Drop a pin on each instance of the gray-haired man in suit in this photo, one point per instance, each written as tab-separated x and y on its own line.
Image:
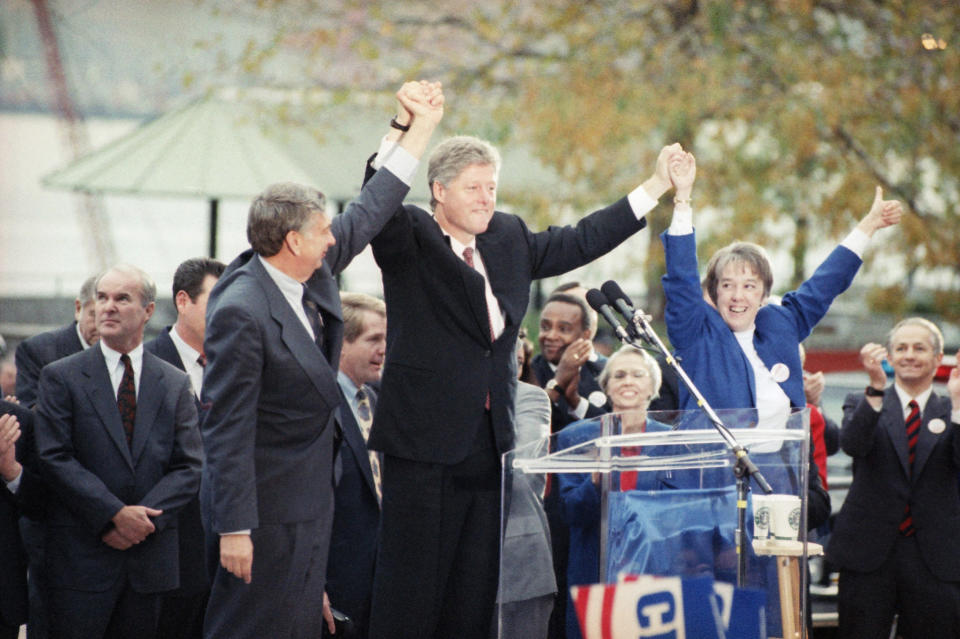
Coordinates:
895	537
272	343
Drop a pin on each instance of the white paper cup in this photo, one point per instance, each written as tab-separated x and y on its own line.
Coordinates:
761	515
784	516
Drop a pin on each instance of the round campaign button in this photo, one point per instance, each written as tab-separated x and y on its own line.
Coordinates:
780	372
598	399
937	426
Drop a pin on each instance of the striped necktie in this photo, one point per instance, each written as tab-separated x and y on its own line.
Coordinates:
913	434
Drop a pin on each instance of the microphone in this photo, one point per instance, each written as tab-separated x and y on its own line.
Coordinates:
599	302
622	303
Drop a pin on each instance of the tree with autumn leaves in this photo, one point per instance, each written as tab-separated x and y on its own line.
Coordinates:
795	109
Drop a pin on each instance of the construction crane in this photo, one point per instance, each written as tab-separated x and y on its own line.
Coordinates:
92	214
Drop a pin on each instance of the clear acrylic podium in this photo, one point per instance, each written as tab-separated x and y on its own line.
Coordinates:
660	502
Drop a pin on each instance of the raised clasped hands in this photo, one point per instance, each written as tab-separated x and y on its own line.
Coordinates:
683	172
420	100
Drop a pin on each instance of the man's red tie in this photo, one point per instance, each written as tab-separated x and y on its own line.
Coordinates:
468	258
913	434
127	398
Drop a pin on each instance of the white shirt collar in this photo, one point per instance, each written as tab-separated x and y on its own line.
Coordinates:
115	368
187	352
189	356
458	246
905	398
83	342
287	285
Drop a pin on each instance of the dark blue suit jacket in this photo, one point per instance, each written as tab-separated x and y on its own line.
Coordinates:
867	527
86	459
356	520
38	351
194	576
441	363
13	559
271	393
560	414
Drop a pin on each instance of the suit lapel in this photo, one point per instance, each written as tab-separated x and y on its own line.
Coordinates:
936	408
296	338
496	265
167	350
149	397
101	395
893	422
68	342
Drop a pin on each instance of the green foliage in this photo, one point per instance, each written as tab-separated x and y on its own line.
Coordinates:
794	108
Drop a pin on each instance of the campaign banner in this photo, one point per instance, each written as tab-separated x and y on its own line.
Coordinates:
653	607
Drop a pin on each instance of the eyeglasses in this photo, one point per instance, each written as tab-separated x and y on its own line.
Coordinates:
639	373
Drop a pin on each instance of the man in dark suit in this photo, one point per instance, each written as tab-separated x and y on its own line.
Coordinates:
273	340
457	285
31	356
118	442
181	611
38	351
13	559
895	537
567	366
356	516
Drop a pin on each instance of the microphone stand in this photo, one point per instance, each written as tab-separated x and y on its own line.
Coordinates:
743	467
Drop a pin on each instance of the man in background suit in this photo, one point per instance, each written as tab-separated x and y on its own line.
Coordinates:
181	611
31	356
356	516
567	366
13	559
118	443
273	339
895	537
457	285
38	351
528	589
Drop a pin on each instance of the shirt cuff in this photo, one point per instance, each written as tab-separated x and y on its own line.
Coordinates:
236	532
14	484
581	409
397	160
682	222
856	241
640	201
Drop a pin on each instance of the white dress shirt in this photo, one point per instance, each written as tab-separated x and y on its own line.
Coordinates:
189	356
115	366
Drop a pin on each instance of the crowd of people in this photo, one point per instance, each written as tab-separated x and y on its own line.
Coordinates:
290	460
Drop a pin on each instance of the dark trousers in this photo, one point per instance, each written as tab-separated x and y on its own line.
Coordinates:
34	535
285	597
118	613
181	616
438	566
927	607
